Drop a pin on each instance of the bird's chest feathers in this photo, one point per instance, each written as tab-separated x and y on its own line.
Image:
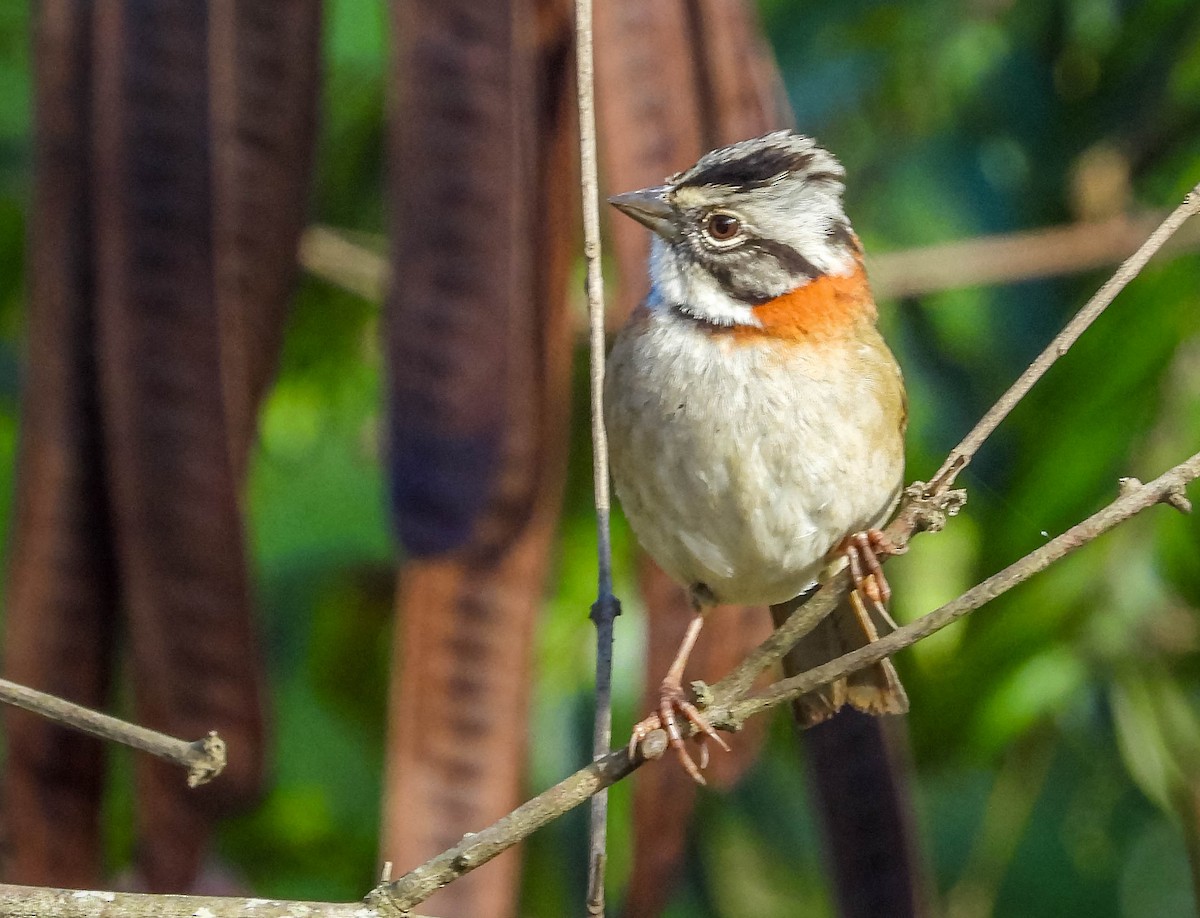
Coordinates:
734	456
732	397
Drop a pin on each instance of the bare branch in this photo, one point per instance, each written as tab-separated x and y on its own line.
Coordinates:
1010	258
204	758
480	847
353	262
962	454
46	902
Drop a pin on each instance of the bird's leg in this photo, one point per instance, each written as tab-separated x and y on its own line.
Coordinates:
673	701
862	551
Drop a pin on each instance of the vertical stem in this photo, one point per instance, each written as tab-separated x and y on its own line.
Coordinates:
606	607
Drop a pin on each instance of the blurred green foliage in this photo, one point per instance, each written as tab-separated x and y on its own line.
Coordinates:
1055	732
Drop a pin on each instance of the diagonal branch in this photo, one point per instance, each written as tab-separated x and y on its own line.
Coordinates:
204	758
394	899
730	711
962	454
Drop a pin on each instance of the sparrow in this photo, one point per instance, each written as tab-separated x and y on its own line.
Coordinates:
755	415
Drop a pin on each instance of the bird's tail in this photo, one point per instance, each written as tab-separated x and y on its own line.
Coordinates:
874	690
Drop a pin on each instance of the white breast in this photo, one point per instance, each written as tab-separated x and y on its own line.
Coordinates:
740	466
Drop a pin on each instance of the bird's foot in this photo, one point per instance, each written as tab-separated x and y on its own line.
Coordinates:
863	550
673	706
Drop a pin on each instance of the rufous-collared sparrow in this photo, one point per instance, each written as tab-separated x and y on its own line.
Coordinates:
755	414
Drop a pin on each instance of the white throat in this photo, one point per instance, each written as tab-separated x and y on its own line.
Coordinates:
692	290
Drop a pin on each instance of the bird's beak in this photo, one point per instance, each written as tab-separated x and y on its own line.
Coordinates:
649	207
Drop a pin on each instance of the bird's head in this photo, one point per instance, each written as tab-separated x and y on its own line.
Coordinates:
745	225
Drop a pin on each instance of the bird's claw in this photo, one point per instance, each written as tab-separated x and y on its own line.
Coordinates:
673	705
870	585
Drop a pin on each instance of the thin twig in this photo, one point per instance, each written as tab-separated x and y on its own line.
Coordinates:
204	758
606	608
962	454
807	612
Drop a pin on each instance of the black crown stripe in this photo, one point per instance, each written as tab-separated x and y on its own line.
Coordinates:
754	170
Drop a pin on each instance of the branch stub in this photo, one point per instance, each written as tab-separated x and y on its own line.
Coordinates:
210	759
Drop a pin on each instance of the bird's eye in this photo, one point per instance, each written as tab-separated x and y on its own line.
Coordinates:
722	227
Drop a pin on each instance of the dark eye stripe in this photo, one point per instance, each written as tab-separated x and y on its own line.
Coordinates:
789	259
751	296
740	281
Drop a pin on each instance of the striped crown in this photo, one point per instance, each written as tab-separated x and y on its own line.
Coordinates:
744	225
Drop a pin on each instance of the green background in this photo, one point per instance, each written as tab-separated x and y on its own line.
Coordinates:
1054	733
